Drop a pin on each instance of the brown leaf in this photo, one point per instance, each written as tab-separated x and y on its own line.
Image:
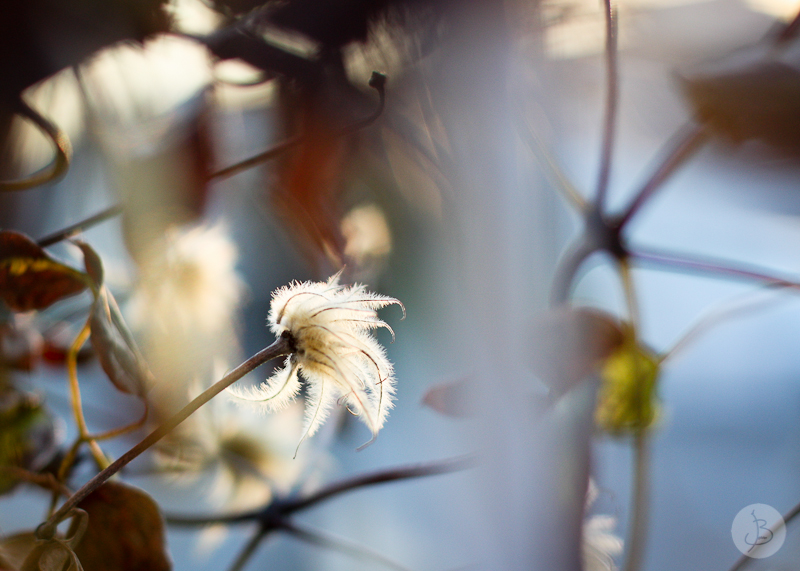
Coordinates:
754	101
125	532
14	549
570	343
30	278
453	399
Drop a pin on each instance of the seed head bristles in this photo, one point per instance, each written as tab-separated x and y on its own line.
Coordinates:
329	325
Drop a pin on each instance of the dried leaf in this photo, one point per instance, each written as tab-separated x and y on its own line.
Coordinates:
571	343
755	101
115	347
27	435
111	339
125	532
92	262
30	278
14	549
453	399
627	400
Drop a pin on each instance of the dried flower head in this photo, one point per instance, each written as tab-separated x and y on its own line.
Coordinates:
328	327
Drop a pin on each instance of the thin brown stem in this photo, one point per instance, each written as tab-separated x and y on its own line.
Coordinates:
391	475
115	432
377	82
680	147
249	549
280	508
278	348
329	541
612	97
79	227
46	481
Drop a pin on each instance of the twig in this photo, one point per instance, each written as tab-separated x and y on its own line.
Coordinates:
46	480
60	163
391	475
278	348
787	517
278	509
708	321
681	146
630	293
567	269
552	171
612	96
638	522
249	549
377	82
79	227
721	268
329	541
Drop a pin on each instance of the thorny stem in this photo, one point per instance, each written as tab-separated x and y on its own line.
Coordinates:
60	163
612	87
279	509
328	541
681	146
638	522
377	82
278	348
79	227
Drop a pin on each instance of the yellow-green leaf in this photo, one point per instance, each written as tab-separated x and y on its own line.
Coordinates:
627	401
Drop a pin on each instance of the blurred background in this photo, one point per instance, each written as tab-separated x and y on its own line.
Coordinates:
441	202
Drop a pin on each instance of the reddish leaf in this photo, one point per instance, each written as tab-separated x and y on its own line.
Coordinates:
125	532
569	344
30	278
452	399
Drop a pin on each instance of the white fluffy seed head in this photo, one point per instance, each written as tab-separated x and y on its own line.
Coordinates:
329	326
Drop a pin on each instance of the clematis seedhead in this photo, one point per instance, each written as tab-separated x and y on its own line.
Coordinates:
328	327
